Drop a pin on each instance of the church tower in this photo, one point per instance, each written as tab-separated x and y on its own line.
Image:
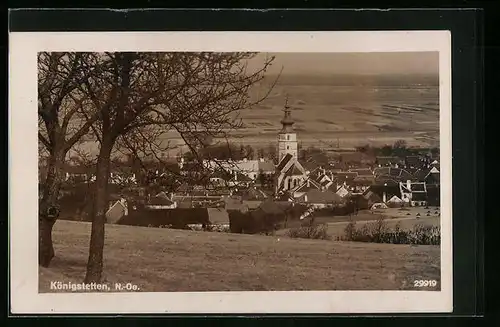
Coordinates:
287	138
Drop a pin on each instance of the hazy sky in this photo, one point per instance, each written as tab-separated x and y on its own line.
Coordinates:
352	63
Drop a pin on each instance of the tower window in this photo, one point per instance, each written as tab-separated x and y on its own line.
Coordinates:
287	147
288	137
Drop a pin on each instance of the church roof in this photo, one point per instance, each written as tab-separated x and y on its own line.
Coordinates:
284	161
307	185
294	171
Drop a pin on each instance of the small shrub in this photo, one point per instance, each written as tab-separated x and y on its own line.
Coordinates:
319	232
379	232
350	231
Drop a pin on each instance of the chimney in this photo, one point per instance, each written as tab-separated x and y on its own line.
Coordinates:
408	184
305	198
384	197
235	176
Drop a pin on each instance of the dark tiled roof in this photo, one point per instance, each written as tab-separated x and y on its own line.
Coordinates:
294	171
271	207
160	201
326	197
381	171
421	174
310	166
346	175
387	160
252	194
390	190
405	175
419	197
325	182
178	218
381	180
308	185
433	178
266	166
220	173
393	173
418	187
284	161
362	171
364	180
414	161
372	196
242	177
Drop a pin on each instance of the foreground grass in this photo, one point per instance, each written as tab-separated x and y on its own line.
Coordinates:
162	260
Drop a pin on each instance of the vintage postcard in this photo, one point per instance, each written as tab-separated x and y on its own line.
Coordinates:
230	172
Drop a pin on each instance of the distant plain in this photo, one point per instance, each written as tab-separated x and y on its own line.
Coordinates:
339	112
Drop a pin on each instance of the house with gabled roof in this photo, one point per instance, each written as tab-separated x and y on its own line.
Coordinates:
395	200
371	198
362	172
364	179
343	191
392	173
388	161
117	209
290	174
322	178
385	191
414	193
420	174
433	177
346	177
321	198
78	173
161	201
305	187
415	162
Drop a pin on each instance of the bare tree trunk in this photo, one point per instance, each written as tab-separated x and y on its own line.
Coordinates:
98	214
52	186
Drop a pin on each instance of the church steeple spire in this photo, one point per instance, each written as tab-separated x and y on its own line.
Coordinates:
287	120
287	139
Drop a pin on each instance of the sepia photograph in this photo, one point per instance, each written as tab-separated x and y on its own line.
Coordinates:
308	170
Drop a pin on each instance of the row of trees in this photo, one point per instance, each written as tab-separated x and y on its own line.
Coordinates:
233	151
398	149
126	102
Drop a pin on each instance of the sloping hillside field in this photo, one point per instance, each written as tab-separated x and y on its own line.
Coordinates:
163	260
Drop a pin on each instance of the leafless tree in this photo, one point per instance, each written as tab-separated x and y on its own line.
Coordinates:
142	96
60	128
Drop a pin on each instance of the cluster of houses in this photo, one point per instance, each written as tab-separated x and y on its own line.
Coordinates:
247	185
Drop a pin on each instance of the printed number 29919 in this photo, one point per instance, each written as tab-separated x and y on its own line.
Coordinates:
425	283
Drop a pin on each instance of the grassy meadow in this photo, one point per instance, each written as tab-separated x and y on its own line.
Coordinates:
163	260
